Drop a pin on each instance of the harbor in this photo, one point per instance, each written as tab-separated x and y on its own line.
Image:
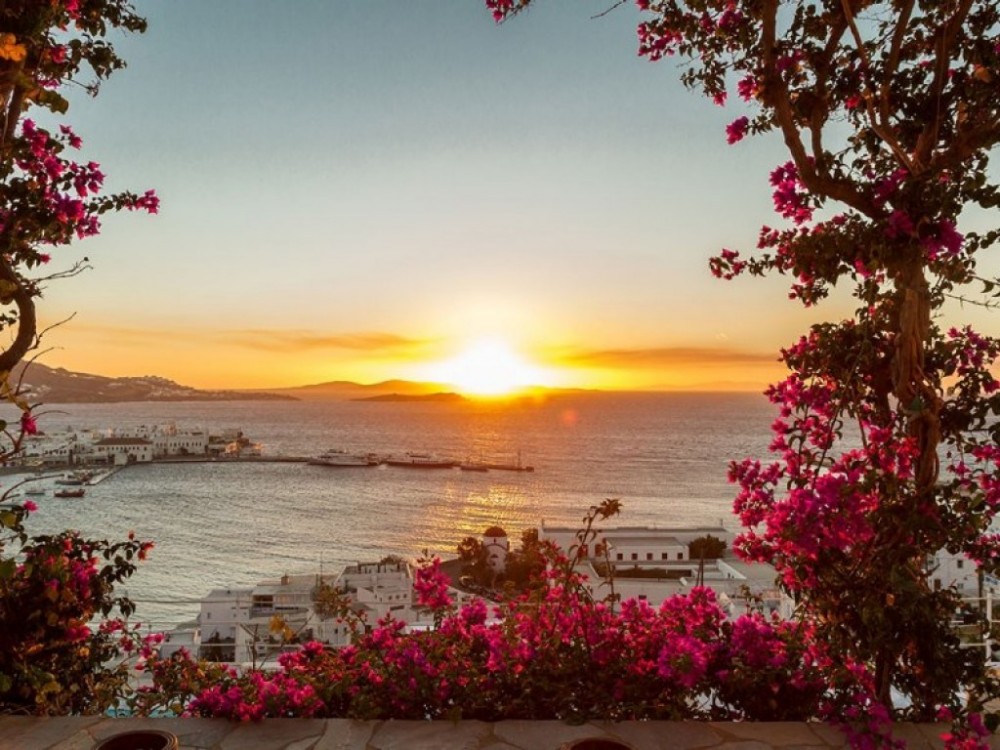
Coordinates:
90	456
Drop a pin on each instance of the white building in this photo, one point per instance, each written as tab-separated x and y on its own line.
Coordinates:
167	439
496	545
375	590
653	564
123	450
60	447
224	613
946	570
637	544
236	624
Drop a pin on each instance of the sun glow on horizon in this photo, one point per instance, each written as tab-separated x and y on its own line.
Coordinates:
489	367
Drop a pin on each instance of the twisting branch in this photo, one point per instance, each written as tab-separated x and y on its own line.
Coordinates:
892	62
820	114
27	324
946	36
775	94
881	127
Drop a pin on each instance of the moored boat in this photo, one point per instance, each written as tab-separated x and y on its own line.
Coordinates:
342	459
68	493
511	467
421	461
75	478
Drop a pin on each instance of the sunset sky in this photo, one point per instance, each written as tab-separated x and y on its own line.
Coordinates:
358	190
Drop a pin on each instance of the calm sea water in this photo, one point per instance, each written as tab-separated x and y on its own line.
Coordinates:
664	455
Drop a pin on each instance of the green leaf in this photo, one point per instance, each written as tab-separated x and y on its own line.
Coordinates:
53	101
7	568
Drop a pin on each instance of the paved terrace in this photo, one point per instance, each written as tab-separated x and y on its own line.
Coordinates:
83	733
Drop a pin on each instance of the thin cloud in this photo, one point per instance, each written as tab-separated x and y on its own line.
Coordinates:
259	339
286	341
127	336
666	357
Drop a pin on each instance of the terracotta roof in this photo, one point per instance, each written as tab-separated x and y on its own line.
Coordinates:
123	441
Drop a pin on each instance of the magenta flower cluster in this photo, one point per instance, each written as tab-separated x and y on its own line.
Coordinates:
66	193
534	656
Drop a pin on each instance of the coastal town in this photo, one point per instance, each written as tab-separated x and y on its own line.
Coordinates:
252	626
121	446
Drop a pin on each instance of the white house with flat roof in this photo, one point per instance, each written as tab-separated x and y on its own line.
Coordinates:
653	564
375	591
237	624
167	439
223	614
637	544
123	450
947	569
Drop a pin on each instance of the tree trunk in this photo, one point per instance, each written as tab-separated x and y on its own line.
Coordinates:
918	398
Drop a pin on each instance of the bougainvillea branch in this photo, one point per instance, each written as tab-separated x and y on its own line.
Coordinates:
61	650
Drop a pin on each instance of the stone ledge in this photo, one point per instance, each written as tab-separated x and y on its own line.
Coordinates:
83	732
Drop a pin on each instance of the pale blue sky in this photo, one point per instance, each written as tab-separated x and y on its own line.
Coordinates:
349	183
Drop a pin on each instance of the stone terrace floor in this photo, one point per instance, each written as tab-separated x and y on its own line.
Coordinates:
83	733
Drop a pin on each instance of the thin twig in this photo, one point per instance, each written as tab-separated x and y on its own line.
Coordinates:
603	13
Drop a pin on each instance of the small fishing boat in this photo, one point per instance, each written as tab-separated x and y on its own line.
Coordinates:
69	493
75	478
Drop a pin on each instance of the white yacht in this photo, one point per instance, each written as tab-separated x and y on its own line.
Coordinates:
342	459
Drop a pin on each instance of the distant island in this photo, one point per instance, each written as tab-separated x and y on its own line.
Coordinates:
405	397
39	383
346	390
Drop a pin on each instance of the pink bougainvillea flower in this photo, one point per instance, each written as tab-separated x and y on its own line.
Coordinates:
748	88
29	426
737	130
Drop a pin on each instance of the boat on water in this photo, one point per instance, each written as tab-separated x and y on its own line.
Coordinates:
421	461
34	491
337	458
473	466
511	467
76	478
69	493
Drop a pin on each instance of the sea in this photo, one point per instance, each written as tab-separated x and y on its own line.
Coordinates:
224	524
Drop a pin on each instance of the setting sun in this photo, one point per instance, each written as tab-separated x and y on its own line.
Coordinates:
489	367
